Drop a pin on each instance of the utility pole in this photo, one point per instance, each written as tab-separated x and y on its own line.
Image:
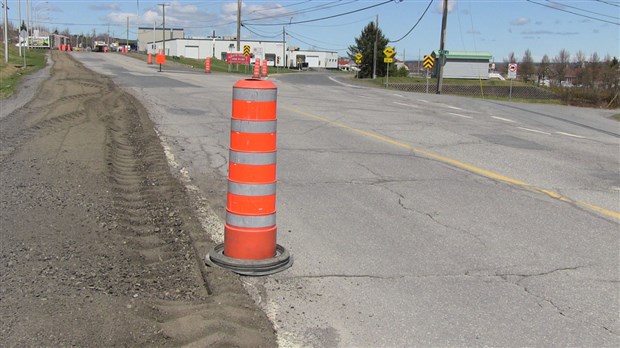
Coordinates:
283	47
6	29
238	25
127	34
163	31
374	52
19	26
442	43
28	24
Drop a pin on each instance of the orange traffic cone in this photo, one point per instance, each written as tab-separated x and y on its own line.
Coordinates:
250	231
264	71
256	74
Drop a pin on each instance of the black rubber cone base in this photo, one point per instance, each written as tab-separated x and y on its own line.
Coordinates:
278	263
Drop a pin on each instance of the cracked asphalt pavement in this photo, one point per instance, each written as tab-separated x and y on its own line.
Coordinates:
410	226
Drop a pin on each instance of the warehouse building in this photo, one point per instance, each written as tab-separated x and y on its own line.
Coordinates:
464	65
147	36
302	59
272	51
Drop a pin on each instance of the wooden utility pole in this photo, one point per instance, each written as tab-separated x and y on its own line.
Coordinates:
238	25
442	42
163	30
6	29
374	53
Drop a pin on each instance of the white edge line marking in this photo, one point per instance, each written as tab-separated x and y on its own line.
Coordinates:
459	115
424	101
452	107
534	130
398	95
403	104
571	135
503	119
346	84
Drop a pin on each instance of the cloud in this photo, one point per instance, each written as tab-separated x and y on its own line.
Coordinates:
520	21
547	32
105	7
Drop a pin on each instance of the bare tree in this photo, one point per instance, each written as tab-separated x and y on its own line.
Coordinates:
594	68
580	68
560	65
526	68
543	69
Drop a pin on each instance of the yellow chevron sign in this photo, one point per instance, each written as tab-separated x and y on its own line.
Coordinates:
429	62
246	50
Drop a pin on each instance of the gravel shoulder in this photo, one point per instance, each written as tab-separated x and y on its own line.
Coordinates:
99	243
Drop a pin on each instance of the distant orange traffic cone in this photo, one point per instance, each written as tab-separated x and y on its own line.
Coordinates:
149	60
264	71
256	69
208	65
250	231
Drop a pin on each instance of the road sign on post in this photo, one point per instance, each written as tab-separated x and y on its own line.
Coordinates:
388	60
429	62
246	50
389	52
512	71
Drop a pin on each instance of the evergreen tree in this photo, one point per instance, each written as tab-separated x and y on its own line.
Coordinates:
365	44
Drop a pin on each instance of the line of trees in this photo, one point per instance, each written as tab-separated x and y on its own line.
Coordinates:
578	70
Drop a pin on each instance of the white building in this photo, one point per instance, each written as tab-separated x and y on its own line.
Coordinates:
276	53
272	51
313	59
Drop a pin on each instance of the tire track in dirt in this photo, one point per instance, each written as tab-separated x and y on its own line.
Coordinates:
154	262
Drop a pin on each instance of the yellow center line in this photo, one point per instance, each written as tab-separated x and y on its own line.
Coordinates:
460	164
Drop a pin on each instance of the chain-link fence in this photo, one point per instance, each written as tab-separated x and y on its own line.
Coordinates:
525	92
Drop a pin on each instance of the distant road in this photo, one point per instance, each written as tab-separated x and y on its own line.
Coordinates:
414	219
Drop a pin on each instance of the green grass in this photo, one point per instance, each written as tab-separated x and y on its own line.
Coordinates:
458	82
616	117
12	73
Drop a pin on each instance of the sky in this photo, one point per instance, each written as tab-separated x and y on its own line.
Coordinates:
495	26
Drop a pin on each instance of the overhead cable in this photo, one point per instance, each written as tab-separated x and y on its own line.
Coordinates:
571	12
328	17
416	23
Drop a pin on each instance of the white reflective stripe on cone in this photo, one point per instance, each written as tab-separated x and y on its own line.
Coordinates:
248	221
251	189
252	158
255	127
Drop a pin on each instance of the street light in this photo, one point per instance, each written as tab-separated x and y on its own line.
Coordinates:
36	13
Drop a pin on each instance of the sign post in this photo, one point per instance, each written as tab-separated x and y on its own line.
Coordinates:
358	60
428	63
512	74
389	53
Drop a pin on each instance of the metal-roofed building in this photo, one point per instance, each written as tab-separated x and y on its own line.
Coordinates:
464	65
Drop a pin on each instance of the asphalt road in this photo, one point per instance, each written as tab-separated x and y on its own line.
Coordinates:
414	219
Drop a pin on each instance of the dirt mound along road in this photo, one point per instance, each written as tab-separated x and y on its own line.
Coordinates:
99	243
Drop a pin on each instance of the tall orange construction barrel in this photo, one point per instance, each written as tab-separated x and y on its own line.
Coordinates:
250	230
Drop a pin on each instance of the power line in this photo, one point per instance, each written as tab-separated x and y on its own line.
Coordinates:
328	17
416	23
580	9
571	12
307	10
315	46
608	3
